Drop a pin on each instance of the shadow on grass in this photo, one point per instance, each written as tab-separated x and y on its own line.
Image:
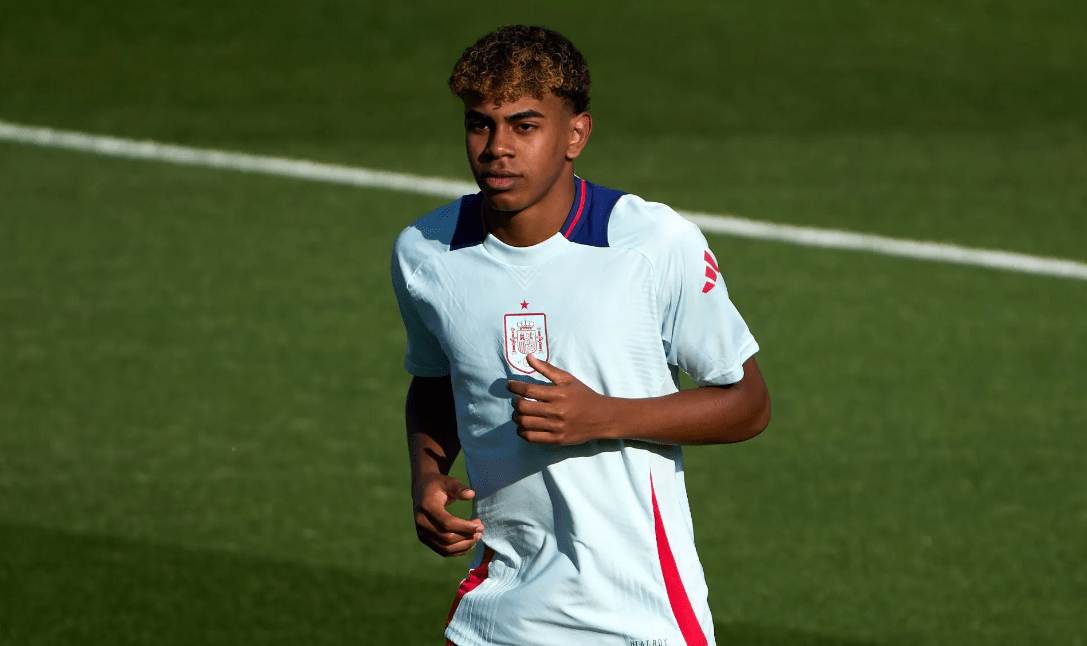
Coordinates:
60	588
64	588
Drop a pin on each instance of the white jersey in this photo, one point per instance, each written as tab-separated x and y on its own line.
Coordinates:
590	543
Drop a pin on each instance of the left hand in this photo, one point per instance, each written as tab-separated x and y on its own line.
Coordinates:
565	411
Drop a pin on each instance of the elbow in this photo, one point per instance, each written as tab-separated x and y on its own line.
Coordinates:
759	417
752	419
756	396
762	417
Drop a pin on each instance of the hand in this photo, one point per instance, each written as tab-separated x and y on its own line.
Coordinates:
565	411
441	531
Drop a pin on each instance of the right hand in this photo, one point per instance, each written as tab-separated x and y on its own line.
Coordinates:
441	531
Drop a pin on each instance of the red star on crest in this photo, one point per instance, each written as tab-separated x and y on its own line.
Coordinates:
524	305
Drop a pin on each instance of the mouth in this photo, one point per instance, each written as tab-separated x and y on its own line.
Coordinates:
499	180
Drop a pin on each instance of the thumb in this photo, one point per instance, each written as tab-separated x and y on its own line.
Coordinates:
456	490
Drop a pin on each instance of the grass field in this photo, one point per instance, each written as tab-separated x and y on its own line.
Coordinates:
200	371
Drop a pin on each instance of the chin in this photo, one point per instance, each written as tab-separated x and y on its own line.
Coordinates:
504	202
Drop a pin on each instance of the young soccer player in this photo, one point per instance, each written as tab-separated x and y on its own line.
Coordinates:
547	320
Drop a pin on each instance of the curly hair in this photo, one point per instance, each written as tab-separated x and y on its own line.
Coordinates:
516	60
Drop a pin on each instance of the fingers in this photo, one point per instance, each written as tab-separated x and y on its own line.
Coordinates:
441	531
445	533
432	505
544	424
539	421
531	415
539	392
441	521
538	429
533	408
447	528
457	549
449	543
539	437
556	375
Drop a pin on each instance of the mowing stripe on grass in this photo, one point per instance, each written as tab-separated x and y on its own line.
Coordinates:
438	187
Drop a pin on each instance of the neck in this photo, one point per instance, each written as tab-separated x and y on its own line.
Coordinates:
538	222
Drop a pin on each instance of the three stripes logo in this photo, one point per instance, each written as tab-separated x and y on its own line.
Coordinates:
711	272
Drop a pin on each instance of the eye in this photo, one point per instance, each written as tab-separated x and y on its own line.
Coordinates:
526	127
475	126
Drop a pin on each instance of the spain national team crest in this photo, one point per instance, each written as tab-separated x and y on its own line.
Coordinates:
525	334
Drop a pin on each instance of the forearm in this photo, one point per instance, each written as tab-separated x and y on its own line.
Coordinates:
707	415
430	417
433	445
704	415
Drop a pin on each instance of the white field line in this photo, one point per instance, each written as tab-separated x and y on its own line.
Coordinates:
916	249
438	187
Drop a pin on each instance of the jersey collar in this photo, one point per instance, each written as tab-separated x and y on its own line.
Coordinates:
587	222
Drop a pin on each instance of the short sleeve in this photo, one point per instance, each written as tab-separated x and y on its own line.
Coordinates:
424	356
703	333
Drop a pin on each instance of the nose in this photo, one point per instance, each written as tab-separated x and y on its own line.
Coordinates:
499	144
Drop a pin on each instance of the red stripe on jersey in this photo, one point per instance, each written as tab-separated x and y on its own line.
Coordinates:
711	262
580	208
708	286
476	576
677	594
711	274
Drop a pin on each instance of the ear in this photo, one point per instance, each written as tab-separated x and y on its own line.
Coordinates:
581	126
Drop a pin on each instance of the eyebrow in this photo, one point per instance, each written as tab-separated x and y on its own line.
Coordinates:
516	116
525	114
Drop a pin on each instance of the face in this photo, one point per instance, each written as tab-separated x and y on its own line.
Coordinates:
519	151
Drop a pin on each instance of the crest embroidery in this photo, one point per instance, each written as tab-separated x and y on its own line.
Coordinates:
525	334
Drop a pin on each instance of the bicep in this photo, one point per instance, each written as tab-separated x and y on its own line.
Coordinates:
430	407
425	355
431	420
430	398
703	332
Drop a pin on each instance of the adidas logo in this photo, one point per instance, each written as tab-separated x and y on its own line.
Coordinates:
711	272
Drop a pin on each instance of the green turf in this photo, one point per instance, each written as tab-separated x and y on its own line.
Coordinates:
214	381
200	381
960	121
64	588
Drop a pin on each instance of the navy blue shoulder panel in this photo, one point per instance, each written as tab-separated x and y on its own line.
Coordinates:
471	229
588	224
